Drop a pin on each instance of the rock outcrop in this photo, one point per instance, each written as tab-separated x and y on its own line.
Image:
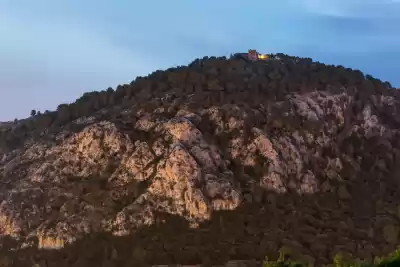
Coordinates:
219	160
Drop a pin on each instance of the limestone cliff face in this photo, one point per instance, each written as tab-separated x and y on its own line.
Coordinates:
93	181
118	171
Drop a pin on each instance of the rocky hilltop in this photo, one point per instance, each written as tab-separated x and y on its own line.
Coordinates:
219	160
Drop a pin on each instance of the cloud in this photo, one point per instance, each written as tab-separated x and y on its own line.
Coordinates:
353	8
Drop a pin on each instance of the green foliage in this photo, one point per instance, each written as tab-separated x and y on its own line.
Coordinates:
284	260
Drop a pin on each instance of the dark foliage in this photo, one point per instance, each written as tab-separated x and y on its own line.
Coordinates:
211	81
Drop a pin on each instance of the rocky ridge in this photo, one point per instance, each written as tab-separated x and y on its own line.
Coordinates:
222	159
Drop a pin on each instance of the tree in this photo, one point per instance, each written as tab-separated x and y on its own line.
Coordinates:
33	112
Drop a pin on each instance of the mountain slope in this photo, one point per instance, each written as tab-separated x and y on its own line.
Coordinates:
222	159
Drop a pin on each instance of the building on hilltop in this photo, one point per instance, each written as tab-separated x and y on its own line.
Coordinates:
252	55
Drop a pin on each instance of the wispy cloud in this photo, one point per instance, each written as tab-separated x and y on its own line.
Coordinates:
353	8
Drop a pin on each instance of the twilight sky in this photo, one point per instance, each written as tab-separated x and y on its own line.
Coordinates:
51	52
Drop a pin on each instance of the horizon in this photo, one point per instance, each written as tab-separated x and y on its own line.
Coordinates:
52	53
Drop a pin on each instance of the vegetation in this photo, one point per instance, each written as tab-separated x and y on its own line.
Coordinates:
284	260
207	81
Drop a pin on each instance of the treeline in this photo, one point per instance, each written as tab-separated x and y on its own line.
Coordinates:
206	81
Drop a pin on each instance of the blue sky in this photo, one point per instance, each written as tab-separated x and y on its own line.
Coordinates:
53	51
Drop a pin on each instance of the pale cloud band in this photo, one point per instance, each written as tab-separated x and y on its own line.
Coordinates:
353	8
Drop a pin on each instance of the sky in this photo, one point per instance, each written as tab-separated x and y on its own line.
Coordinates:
51	52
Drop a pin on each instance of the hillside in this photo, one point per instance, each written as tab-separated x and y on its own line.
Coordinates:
219	160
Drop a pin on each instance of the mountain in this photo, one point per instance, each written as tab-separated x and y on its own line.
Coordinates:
223	159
